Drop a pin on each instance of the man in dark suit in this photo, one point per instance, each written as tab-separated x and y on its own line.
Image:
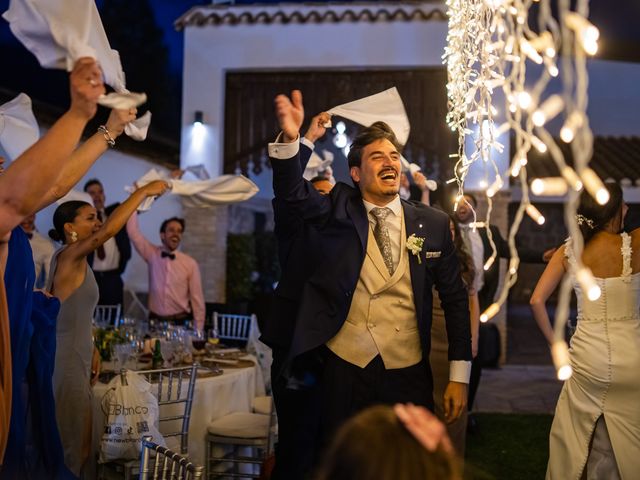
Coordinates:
355	317
110	260
487	281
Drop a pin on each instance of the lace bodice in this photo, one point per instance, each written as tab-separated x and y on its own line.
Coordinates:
620	297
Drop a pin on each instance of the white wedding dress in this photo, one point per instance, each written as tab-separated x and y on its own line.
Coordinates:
605	357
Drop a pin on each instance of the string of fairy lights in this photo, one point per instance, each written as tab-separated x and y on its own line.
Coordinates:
493	48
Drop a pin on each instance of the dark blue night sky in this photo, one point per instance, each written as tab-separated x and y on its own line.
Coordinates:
619	41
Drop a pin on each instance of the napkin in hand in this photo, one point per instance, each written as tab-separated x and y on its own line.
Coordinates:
59	32
18	126
385	106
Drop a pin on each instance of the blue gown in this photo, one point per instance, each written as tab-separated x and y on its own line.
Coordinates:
34	449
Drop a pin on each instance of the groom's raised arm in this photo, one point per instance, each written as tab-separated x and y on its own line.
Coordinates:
289	186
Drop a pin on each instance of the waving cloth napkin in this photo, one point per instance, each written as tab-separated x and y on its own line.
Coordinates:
18	127
318	165
59	32
222	190
385	106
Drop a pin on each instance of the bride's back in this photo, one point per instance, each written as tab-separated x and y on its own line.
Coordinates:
603	254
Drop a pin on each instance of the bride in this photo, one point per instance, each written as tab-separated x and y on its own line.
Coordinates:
596	428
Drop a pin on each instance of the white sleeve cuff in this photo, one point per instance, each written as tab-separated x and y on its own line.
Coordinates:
308	143
459	371
282	151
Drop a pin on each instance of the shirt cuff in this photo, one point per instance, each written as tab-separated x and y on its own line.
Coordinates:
308	143
283	151
459	371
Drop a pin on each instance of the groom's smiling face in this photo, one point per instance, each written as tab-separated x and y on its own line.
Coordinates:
378	175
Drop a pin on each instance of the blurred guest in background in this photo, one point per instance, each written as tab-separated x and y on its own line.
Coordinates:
42	249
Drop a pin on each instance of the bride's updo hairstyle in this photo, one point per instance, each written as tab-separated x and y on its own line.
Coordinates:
592	217
65	213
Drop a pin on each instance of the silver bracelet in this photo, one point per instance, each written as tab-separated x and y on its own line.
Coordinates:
107	136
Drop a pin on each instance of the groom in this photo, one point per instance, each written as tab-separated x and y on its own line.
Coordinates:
364	306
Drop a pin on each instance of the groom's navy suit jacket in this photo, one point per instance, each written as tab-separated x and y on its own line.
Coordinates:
313	298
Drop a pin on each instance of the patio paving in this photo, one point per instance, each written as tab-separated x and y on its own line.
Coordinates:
518	389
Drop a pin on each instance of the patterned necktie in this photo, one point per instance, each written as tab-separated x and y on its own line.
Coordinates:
381	233
100	251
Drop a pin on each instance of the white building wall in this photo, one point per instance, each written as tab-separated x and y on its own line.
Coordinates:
212	51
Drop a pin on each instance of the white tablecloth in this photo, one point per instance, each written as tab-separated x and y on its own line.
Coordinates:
214	397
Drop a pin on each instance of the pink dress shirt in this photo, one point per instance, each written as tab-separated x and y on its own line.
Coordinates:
173	284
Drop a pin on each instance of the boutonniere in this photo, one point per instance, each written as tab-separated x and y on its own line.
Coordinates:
414	245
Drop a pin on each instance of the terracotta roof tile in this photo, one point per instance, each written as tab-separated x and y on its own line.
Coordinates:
318	12
616	158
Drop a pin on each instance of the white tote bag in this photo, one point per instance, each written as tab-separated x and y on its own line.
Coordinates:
131	411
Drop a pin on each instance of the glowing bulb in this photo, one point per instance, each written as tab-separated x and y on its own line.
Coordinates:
573	123
524	100
588	284
594	186
340	140
549	186
602	196
586	32
489	262
341	127
535	214
561	359
550	52
490	312
198	134
530	52
538	144
572	178
553	70
551	107
567	134
495	186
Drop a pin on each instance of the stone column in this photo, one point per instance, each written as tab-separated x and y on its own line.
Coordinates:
205	240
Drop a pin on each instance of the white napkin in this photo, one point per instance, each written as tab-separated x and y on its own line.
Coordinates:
385	106
59	32
223	190
18	127
198	171
75	195
317	164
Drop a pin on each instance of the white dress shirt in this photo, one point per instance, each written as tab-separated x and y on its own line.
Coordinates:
473	242
42	249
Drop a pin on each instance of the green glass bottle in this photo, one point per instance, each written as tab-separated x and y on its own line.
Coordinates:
157	360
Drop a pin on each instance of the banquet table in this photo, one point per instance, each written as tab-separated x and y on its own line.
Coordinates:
214	397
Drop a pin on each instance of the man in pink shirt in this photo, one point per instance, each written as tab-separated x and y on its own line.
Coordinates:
175	288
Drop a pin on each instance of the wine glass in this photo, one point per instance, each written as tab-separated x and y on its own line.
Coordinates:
122	354
197	340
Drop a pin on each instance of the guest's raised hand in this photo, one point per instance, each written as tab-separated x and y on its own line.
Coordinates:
155	188
317	126
424	426
86	86
118	119
290	114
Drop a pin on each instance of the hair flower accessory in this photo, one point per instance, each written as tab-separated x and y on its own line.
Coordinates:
584	220
414	245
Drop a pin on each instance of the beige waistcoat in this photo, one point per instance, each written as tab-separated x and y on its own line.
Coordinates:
382	318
